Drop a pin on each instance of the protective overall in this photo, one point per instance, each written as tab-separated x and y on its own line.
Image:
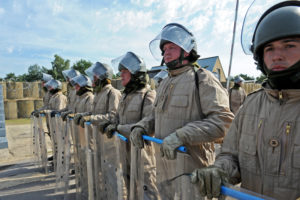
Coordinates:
262	147
237	95
104	109
135	106
83	104
185	116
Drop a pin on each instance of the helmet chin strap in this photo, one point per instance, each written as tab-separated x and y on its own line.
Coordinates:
285	79
175	64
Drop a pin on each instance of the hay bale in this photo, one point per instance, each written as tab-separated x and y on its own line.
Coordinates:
25	107
10	109
14	90
3	89
38	103
31	90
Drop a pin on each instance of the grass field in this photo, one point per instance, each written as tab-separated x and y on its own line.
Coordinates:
17	121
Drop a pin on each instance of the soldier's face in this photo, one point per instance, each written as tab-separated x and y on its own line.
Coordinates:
77	87
125	77
282	54
172	52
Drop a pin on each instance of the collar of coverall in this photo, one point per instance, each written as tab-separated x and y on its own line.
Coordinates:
180	70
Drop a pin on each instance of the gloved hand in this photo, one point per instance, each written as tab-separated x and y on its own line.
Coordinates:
36	114
65	114
33	112
102	125
77	118
109	131
71	115
136	137
84	119
169	146
210	180
54	112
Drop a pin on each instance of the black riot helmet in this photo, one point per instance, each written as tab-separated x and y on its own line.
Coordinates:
280	21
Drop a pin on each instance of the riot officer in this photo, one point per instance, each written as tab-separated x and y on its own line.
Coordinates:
134	108
191	109
237	94
261	149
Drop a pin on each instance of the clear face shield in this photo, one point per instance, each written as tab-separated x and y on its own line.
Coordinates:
253	14
100	71
131	62
46	77
70	73
53	84
81	80
176	34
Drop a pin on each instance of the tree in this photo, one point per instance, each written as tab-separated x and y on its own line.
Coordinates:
34	73
82	65
10	77
59	65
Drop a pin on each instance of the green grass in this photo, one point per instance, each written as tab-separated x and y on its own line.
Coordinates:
17	121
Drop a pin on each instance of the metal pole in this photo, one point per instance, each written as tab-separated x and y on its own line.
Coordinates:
232	44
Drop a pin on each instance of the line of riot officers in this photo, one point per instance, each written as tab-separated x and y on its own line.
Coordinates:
105	129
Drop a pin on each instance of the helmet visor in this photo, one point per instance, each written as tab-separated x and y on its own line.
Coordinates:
46	77
175	34
253	14
129	61
81	80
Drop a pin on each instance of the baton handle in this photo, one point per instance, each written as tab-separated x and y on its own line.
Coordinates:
159	141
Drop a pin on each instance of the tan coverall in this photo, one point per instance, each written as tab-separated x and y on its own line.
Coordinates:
135	107
236	96
105	108
262	147
176	109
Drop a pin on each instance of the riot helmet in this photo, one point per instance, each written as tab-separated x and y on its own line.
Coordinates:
53	85
238	79
130	61
279	21
70	73
179	35
46	77
100	70
81	80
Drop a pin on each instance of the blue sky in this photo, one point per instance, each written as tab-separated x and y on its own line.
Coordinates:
32	31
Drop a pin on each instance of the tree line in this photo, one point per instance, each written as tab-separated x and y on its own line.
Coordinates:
59	64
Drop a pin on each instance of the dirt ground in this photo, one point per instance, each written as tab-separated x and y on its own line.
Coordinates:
20	176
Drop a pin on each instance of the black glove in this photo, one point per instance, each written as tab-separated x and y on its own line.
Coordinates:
109	131
77	118
33	112
210	180
65	114
102	125
36	113
53	113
